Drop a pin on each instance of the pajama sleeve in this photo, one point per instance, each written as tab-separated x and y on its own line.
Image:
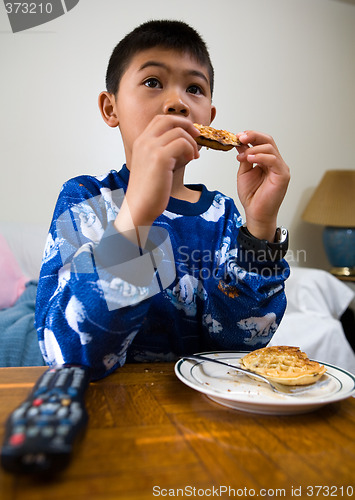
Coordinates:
95	286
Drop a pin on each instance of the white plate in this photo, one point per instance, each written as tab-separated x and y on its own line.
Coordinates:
240	392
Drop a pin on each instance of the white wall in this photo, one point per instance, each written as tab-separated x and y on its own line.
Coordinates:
285	67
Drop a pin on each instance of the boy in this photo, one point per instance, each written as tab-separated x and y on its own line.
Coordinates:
139	266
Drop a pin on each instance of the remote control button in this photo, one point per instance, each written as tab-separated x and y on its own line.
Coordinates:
58	442
19	429
20	412
49	409
63	412
62	430
56	392
33	412
34	458
47	432
20	421
17	439
32	431
40	391
77	380
76	416
65	421
61	380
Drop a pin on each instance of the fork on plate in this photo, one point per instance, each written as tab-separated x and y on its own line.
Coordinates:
275	386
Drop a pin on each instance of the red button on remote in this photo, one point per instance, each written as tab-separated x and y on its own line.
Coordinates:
17	439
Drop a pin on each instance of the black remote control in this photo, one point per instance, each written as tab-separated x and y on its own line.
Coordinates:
41	432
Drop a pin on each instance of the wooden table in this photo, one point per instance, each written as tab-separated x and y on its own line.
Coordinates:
150	436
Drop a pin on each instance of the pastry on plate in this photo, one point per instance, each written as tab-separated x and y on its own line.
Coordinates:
216	139
286	365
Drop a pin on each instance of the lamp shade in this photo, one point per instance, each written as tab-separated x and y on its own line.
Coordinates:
333	201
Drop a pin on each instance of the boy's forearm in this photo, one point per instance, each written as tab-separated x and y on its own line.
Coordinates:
134	227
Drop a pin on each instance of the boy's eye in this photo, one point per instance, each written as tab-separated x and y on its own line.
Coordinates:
152	83
194	89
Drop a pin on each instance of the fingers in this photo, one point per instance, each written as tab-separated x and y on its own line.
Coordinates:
182	151
255	138
164	130
184	140
162	123
259	149
263	155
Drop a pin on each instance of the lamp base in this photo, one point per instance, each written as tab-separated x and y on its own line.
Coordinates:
344	273
339	245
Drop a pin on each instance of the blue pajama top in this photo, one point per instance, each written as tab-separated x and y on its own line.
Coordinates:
103	301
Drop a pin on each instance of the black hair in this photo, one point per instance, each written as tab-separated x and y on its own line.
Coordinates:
175	35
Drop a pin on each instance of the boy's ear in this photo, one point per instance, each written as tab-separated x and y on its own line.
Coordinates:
107	105
213	113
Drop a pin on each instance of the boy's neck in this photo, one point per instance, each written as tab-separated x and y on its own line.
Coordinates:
181	192
187	194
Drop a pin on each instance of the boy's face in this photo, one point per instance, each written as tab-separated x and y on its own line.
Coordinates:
158	81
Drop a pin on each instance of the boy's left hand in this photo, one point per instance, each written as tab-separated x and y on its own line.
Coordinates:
262	181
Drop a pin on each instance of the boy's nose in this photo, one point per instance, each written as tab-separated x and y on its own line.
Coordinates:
175	105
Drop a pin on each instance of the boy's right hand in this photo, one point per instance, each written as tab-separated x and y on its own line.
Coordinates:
165	146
